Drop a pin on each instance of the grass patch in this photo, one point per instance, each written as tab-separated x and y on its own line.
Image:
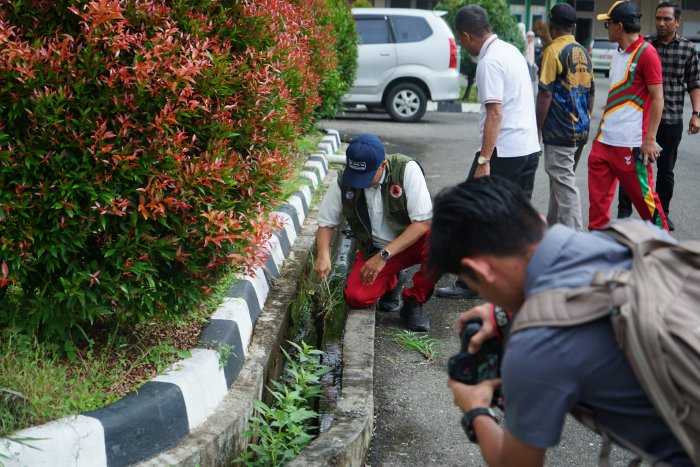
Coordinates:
305	145
419	342
55	387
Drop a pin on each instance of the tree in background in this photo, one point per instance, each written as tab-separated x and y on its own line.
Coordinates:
335	83
502	23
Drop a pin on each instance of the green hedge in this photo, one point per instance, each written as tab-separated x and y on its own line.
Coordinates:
142	144
502	23
339	79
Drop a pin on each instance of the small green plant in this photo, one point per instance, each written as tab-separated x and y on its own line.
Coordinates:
224	350
417	341
329	295
283	429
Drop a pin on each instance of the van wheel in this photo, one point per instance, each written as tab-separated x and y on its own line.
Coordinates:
406	102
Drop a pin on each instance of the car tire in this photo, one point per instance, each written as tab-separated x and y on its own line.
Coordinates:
406	102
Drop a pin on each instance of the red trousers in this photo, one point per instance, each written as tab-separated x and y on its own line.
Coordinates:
608	164
359	295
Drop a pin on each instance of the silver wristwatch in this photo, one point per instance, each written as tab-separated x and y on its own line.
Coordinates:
384	254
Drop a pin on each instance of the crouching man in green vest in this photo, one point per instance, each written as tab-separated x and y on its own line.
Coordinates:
388	206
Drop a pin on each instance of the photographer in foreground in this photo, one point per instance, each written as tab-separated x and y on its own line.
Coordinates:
486	231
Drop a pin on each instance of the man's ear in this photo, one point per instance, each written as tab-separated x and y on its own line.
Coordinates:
481	266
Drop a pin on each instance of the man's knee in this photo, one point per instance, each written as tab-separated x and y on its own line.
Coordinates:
355	298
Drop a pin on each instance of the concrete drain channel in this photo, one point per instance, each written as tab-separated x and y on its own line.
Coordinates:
345	413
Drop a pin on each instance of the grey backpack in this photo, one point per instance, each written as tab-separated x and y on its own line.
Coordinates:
655	313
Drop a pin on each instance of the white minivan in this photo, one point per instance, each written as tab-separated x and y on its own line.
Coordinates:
405	58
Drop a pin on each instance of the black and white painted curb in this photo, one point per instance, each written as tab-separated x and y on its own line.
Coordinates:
463	107
164	410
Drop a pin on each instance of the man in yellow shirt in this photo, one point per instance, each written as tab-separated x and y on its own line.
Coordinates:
564	104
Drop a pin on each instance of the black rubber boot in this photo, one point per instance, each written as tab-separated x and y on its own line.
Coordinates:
413	316
458	290
391	300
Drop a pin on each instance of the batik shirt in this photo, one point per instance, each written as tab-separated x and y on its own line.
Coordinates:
567	73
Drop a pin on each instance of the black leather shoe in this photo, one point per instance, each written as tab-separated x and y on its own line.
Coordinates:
412	314
391	300
458	290
669	222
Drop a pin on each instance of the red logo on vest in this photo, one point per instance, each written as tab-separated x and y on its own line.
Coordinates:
395	191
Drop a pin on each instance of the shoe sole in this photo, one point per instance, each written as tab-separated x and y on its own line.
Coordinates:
389	310
458	296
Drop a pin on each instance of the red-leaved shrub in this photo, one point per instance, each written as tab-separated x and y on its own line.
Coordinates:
142	142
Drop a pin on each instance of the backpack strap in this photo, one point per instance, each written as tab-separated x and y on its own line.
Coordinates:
569	307
639	235
585	415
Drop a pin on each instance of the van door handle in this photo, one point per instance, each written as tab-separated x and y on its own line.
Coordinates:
384	53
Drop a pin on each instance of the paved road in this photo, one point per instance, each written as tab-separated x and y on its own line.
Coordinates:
415	420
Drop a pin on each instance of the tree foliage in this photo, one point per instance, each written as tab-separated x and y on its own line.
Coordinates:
502	23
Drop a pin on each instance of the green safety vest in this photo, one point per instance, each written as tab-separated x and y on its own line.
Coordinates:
393	198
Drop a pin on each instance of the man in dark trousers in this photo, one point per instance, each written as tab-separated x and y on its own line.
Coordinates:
509	144
679	65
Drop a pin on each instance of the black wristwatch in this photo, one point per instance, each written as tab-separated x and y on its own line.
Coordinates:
697	114
384	254
468	421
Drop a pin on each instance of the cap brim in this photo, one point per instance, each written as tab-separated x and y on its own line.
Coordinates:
603	17
355	180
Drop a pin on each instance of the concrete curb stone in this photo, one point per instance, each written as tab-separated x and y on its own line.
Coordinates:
197	411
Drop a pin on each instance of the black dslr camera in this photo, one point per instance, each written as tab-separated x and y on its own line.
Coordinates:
474	368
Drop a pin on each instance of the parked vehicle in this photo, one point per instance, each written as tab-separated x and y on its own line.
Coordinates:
601	51
406	57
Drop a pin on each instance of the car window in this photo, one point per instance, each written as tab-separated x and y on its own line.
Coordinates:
373	31
410	28
604	44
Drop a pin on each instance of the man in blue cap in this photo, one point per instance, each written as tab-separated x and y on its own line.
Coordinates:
388	206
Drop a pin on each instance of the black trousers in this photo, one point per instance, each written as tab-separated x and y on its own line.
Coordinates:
519	170
669	137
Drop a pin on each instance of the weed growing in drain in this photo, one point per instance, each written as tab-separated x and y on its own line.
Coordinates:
329	296
417	341
283	429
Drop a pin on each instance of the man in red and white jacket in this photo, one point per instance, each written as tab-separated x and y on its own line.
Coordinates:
625	146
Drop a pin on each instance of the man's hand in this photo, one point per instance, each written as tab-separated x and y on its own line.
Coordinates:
468	397
371	269
485	333
482	170
694	125
649	151
322	267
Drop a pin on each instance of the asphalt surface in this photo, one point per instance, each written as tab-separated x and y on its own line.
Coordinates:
416	422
